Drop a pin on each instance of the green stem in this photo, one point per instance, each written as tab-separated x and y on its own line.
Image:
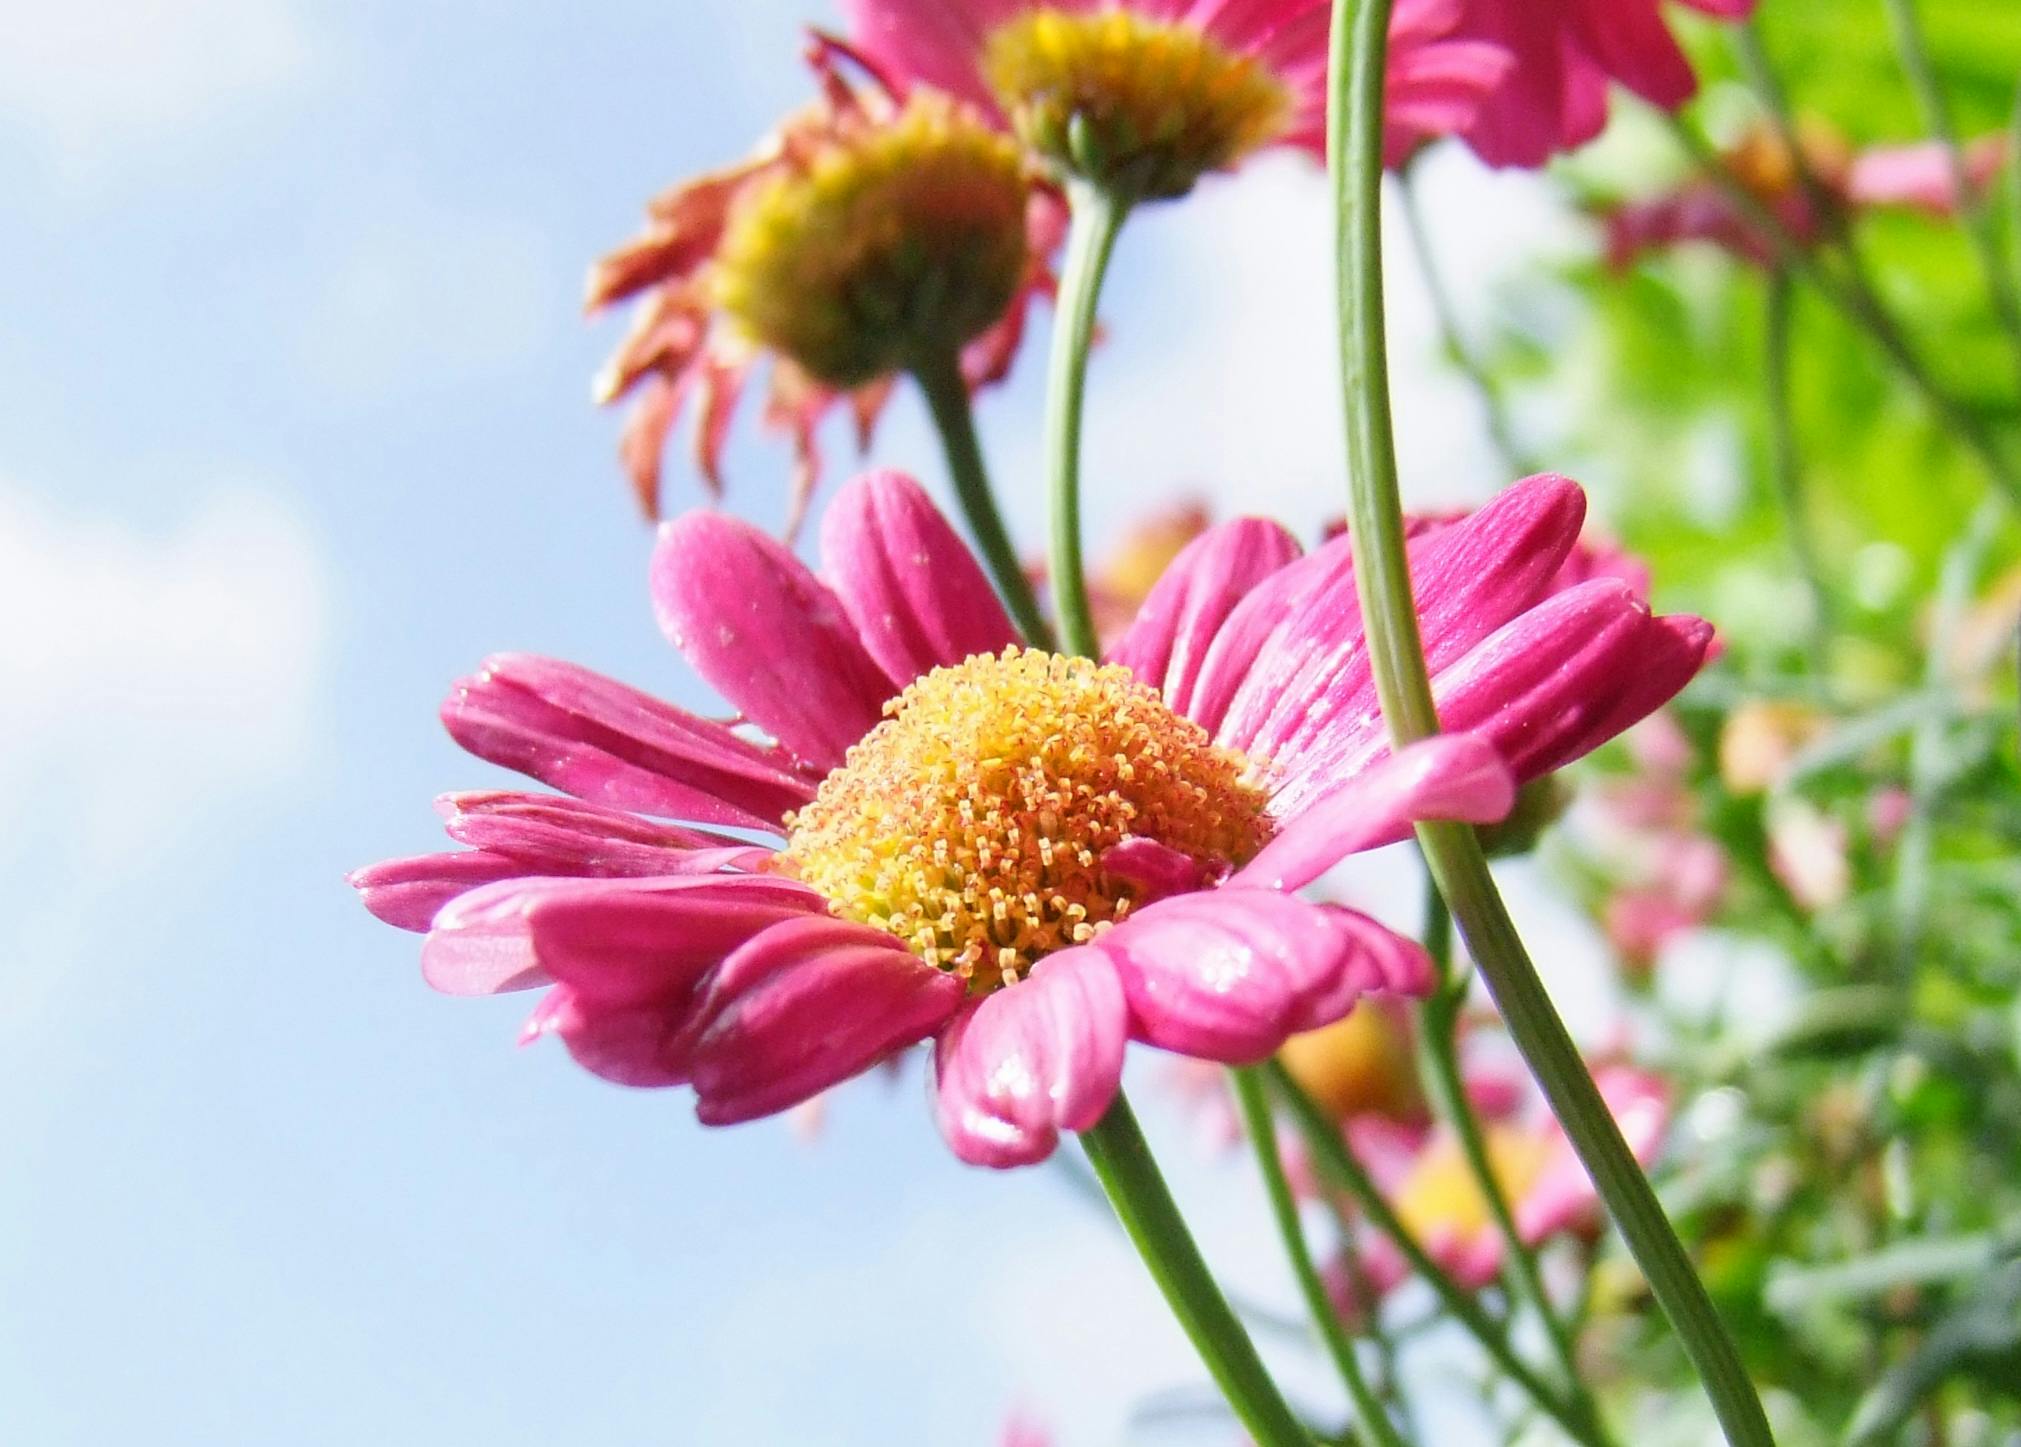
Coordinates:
1859	305
1338	1165
1786	465
1382	578
1374	1422
1493	413
1098	216
1447	1088
1122	1160
939	377
1903	20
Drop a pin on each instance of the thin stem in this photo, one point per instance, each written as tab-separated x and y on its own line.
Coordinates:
1861	307
939	377
1907	26
1374	1422
1786	464
1122	1159
1494	414
1098	216
1382	578
1447	1088
1338	1165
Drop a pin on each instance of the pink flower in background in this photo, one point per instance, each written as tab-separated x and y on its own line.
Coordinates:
1679	887
1434	1194
1031	859
1567	52
1913	178
1189	59
771	258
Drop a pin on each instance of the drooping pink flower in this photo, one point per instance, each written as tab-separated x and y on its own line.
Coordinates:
1031	860
864	228
1225	79
1434	1193
1567	53
1913	177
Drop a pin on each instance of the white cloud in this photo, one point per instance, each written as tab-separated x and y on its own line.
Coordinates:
416	295
97	81
153	678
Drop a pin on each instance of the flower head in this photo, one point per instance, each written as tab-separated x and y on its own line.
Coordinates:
1566	54
1030	860
1147	96
866	236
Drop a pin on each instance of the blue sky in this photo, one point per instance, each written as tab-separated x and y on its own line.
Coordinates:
296	430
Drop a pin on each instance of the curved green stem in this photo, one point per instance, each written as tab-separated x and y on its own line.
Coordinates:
1097	218
1122	1160
1396	655
1859	305
939	377
1373	1421
1448	1091
1786	465
1338	1165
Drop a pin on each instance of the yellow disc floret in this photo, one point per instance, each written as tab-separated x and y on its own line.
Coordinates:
1440	1195
971	823
1144	106
895	238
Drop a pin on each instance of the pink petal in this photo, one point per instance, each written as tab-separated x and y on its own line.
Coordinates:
804	1006
612	745
1453	776
1166	644
549	834
909	585
766	635
1035	1058
1156	869
407	893
1562	1198
634	1045
1228	974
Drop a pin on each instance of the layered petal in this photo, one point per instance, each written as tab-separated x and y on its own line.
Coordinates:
1228	974
1041	1056
913	590
804	1006
767	635
614	746
407	893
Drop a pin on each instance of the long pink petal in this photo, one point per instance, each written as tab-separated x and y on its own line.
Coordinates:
766	634
911	587
1562	1197
636	1045
407	893
552	834
1453	776
1033	1059
804	1006
613	745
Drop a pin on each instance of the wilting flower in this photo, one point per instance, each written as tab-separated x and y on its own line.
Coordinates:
1030	859
1437	1199
1146	96
867	237
1566	54
1915	177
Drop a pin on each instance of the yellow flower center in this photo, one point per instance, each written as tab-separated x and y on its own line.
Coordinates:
1142	106
1440	1194
971	823
892	240
1359	1065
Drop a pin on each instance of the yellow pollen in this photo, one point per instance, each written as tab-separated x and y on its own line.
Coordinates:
893	238
971	823
1145	106
1440	1195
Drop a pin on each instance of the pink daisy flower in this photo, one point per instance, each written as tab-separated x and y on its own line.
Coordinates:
1162	91
1428	1183
1566	53
866	231
1030	860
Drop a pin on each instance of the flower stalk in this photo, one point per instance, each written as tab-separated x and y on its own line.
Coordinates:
1382	577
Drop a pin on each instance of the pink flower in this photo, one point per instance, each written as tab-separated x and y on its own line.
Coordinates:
1430	1186
1566	54
1172	66
744	263
1031	860
1913	177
